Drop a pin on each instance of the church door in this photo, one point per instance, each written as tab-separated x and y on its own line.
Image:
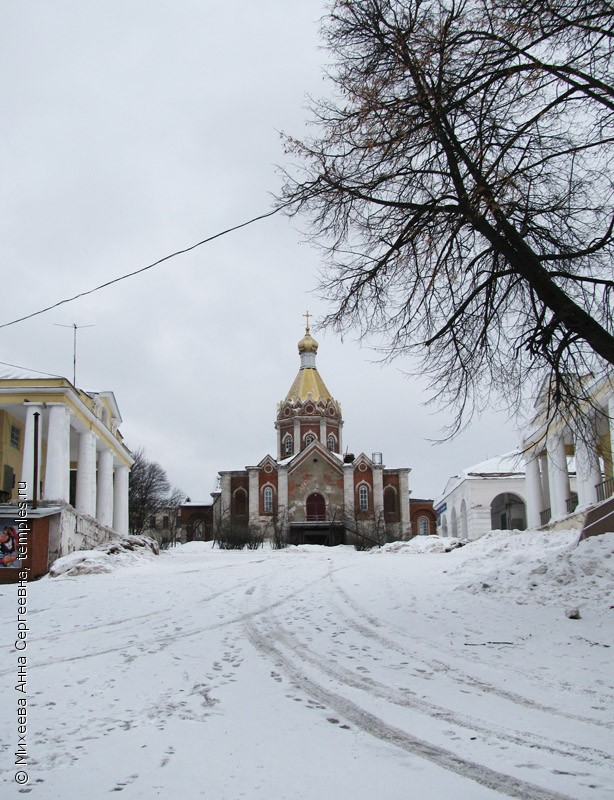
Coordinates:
316	508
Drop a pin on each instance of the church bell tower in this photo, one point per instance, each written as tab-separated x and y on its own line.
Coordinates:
309	412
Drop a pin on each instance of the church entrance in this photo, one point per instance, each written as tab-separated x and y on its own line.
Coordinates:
315	510
317	528
328	534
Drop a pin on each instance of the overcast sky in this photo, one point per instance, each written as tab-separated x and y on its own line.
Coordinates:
134	128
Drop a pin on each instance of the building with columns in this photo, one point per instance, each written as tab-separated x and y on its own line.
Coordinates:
312	488
551	446
61	447
488	496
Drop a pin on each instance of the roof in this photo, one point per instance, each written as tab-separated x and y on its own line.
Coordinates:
11	372
507	465
308	383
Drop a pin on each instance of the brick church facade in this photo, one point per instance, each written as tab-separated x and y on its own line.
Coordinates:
310	490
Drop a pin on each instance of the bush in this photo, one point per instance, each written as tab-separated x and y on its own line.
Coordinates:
237	535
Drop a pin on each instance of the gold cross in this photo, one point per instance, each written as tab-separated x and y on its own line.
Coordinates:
307	315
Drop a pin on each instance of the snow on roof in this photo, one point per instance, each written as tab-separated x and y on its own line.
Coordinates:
507	465
11	372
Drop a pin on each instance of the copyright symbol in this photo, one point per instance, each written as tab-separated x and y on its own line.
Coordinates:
21	777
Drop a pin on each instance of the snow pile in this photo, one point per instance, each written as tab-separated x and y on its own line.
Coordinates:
106	557
543	567
423	544
195	547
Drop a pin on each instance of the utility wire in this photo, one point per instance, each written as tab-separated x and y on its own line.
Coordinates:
144	269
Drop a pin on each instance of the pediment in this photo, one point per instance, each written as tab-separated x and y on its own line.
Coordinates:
316	449
267	461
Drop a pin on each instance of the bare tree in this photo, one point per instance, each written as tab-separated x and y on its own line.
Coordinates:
460	182
277	528
366	531
150	492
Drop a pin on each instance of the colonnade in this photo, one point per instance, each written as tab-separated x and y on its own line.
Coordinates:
549	494
102	484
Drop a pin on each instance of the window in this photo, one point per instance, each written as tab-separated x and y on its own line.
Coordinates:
309	439
240	498
15	437
390	500
288	445
331	443
268	500
423	526
152	522
363	498
165	522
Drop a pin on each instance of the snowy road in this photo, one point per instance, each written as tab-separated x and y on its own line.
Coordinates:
317	673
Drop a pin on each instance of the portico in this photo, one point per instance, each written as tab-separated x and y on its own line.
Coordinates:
70	438
562	450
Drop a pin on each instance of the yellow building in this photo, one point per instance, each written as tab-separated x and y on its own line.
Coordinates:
62	446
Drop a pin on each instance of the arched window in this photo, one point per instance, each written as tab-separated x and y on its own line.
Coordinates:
423	526
240	503
267	497
309	439
288	445
363	497
331	443
390	500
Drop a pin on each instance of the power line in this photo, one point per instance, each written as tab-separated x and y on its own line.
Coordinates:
144	269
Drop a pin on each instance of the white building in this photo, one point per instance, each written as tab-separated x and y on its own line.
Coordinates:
488	496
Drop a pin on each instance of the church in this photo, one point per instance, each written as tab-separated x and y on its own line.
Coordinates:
313	491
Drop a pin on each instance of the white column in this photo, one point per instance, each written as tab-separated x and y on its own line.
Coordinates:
587	472
27	465
104	489
535	501
558	477
378	490
280	455
479	520
254	495
282	491
120	500
323	431
57	468
543	463
85	501
297	436
611	423
404	503
348	491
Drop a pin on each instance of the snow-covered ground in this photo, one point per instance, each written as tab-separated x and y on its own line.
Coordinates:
320	673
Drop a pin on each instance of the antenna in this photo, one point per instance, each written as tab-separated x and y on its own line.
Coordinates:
75	328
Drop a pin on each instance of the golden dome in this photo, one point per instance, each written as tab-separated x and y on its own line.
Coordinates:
307	344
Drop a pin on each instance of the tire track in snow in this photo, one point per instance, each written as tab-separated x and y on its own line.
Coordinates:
160	611
374	726
407	699
440	666
183	634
